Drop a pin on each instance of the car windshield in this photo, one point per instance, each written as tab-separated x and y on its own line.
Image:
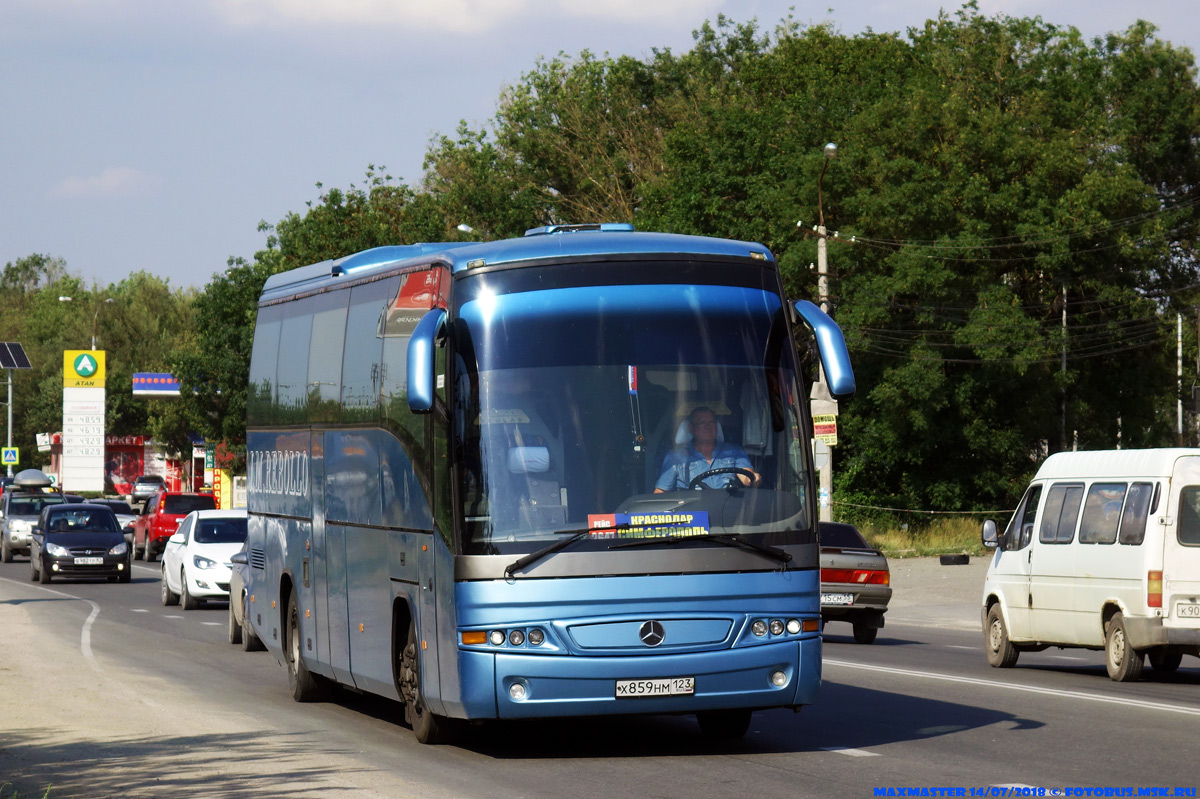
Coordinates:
186	503
80	521
32	506
149	478
220	531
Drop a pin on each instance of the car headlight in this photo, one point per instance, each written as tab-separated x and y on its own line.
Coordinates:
203	562
57	551
119	549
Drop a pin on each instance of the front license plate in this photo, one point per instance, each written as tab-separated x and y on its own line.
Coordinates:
1187	610
837	599
89	561
669	686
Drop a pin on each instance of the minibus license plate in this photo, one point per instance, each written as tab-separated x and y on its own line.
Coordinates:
1187	610
89	561
670	686
837	599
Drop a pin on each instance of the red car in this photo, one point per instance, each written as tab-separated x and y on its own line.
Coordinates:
160	517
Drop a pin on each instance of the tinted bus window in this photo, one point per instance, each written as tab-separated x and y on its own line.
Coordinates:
291	376
325	356
260	393
361	375
1102	513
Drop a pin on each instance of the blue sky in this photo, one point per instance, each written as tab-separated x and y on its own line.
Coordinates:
155	134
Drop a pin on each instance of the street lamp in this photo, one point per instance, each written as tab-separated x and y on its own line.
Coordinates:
95	316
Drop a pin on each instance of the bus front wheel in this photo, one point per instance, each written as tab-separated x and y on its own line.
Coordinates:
306	686
429	727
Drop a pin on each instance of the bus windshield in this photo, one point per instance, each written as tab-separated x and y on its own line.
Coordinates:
615	406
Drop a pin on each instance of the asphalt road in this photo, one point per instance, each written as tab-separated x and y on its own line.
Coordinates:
105	693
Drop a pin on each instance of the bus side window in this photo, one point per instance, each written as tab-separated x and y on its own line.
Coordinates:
1137	512
1188	530
1062	511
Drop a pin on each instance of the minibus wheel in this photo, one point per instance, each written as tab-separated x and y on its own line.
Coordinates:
1124	663
1000	651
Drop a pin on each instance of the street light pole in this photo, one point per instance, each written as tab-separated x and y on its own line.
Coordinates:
96	317
822	402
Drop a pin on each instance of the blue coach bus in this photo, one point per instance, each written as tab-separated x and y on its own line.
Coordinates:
563	475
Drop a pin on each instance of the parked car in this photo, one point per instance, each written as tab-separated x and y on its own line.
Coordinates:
160	518
195	563
146	486
20	507
855	581
78	540
241	630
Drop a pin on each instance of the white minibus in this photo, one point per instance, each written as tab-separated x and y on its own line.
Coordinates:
1103	552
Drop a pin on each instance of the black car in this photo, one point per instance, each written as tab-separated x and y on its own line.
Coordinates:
78	540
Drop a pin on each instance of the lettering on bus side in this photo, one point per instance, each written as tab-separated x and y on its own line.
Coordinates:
277	479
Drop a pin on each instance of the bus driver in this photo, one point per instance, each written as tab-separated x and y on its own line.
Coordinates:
703	454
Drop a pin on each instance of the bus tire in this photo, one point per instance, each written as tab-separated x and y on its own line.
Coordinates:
305	686
427	726
1001	653
724	723
1124	663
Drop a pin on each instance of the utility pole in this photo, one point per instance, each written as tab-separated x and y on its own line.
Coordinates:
822	402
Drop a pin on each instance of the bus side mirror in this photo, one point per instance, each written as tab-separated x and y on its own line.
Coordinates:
421	362
831	344
988	535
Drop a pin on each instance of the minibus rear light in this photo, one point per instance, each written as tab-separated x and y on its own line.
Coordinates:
1154	589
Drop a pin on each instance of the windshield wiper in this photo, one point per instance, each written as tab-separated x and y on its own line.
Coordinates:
572	537
774	553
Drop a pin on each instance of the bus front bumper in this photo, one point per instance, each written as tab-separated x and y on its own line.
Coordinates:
531	686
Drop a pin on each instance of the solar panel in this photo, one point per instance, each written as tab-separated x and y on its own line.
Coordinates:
12	356
18	354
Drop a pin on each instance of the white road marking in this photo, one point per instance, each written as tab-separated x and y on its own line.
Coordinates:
139	610
1033	689
960	646
211	623
85	635
845	750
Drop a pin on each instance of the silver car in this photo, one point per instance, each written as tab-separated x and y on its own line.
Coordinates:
20	513
855	581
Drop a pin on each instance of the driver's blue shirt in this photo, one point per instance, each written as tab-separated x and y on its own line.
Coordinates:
684	463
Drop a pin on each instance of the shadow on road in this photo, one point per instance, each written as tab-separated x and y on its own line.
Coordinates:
34	760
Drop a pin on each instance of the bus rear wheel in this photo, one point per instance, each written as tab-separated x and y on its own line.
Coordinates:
306	686
427	726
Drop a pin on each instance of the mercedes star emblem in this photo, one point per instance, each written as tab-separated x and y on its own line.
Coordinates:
652	633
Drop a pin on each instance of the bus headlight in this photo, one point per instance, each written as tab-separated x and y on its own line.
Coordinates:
516	637
776	627
759	628
496	638
536	637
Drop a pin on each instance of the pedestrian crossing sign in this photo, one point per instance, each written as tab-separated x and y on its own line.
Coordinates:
9	456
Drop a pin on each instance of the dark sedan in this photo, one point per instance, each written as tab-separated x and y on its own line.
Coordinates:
855	580
240	629
78	540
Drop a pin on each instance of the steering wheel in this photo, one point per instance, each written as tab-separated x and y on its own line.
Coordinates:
698	479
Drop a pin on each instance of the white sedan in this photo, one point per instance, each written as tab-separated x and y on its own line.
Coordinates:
195	563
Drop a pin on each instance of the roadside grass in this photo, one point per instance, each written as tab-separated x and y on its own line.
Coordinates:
949	535
15	795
